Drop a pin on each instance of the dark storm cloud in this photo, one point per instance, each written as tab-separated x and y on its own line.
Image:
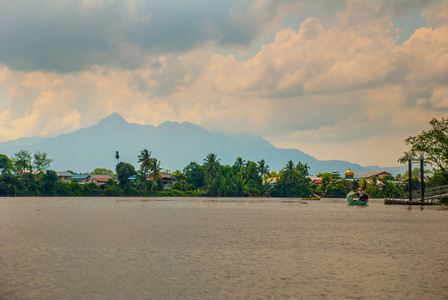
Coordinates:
67	36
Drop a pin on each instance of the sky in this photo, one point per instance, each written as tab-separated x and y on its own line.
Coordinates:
337	79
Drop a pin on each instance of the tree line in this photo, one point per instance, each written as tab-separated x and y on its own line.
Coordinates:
32	176
211	178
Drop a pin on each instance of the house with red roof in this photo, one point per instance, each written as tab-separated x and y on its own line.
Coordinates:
100	180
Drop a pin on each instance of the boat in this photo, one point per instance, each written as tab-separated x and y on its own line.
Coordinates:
353	199
316	197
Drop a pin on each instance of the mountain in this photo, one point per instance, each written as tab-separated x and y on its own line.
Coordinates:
174	144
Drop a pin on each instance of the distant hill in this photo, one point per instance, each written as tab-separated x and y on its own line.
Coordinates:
174	144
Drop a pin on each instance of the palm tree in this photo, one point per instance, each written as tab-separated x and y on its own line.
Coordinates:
155	170
212	165
288	172
263	168
145	160
239	163
145	163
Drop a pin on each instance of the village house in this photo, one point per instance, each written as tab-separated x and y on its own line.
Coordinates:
315	180
64	176
168	181
81	178
100	180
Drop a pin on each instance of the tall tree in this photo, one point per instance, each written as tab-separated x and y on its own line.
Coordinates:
211	165
124	171
156	171
288	173
239	163
22	161
293	181
41	161
195	175
432	143
6	164
263	168
145	161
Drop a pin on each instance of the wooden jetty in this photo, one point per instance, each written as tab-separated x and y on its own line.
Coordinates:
431	196
407	202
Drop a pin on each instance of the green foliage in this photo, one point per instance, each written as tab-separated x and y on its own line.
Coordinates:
438	178
73	188
30	185
112	188
102	171
91	189
195	175
212	167
432	143
239	163
263	168
6	163
293	181
41	161
50	183
243	179
10	185
22	161
336	190
145	161
124	171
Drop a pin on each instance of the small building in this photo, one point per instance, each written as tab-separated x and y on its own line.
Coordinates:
168	181
315	179
64	176
370	175
81	178
271	181
100	180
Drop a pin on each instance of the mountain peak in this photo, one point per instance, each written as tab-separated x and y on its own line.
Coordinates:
113	119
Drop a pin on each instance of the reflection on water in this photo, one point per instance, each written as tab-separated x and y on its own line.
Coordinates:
122	248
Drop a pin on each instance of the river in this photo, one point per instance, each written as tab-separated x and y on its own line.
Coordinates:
220	248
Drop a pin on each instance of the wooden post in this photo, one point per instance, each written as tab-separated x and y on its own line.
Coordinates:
422	175
410	175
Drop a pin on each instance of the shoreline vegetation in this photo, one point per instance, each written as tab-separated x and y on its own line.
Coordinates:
25	174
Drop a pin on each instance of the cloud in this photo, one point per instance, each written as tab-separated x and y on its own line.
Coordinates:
402	7
328	82
71	35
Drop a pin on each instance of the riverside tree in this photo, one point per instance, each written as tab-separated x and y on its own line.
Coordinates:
6	164
434	145
22	161
41	161
294	181
124	171
212	167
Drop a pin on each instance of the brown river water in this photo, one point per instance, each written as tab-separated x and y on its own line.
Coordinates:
220	248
